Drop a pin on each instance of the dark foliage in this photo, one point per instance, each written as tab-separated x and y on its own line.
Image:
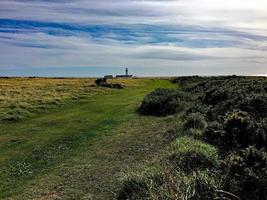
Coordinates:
100	81
239	130
163	102
191	161
255	104
195	121
204	191
243	94
247	174
132	190
215	96
232	111
103	83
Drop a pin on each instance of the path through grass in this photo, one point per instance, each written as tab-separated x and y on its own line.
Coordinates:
40	156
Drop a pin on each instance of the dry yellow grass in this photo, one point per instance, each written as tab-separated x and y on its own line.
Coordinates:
19	97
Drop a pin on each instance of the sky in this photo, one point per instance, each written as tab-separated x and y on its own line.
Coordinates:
150	37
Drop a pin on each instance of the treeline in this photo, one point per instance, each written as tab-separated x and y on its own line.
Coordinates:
218	141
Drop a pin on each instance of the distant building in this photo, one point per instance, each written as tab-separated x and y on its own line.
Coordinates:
126	75
108	77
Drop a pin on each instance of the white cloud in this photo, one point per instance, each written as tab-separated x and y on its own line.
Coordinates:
237	48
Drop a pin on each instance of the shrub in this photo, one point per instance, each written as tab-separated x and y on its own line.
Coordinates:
171	184
229	112
187	80
100	81
205	187
103	83
195	121
215	96
214	133
163	102
191	161
184	145
239	130
247	174
132	190
255	104
198	107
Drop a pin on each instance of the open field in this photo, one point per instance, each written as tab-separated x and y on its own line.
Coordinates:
21	97
196	138
49	154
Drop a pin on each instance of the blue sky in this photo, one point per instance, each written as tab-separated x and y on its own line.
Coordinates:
151	37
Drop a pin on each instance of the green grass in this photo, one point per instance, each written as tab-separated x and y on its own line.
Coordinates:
21	97
185	144
38	152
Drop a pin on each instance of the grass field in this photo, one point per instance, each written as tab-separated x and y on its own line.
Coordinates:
21	97
78	148
197	138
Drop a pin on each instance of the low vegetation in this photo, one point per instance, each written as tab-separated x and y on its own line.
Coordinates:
21	97
103	82
195	138
218	151
163	102
77	149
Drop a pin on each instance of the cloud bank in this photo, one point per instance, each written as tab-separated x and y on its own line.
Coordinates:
172	36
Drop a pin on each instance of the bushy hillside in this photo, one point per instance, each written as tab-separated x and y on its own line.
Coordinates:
217	143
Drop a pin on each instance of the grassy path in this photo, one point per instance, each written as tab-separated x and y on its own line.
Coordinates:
58	154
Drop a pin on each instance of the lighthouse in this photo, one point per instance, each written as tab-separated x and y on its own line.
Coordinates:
126	75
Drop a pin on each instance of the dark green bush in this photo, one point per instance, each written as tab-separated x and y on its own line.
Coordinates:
187	79
195	121
197	108
215	96
133	190
247	174
103	83
163	102
255	104
100	81
214	133
204	190
228	112
239	130
191	161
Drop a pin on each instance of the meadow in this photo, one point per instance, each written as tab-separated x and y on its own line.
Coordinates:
22	97
74	148
188	138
